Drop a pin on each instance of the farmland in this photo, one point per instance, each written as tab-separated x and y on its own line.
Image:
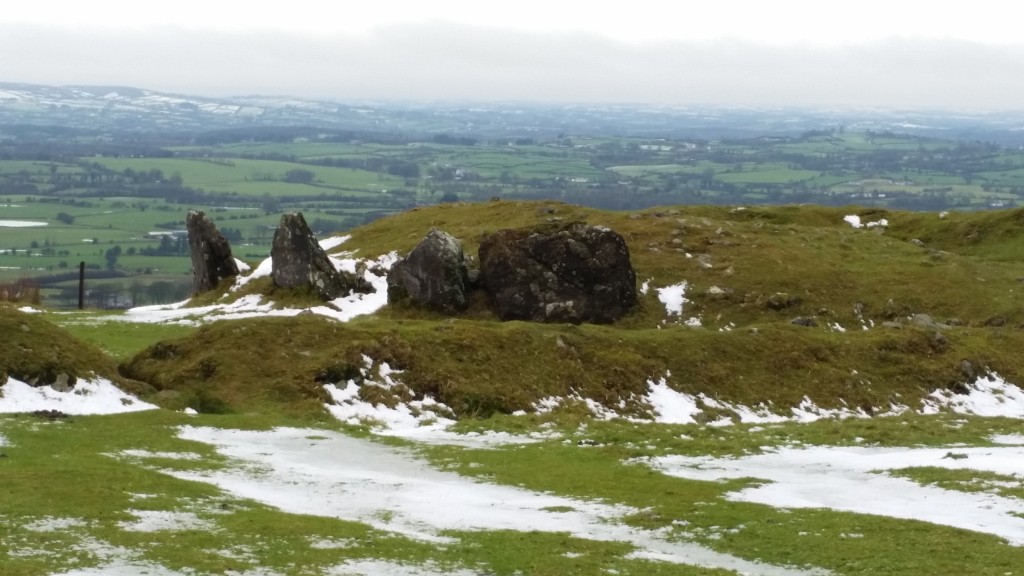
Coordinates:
120	207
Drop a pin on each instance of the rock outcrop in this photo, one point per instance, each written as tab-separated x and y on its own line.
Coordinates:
566	273
298	261
434	274
210	252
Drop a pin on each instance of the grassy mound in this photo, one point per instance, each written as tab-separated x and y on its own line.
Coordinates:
35	350
748	273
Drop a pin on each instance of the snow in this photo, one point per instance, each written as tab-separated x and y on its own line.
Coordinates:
342	309
98	396
333	242
51	524
324	473
988	396
1011	439
20	224
122	567
671	407
164	520
855	221
673	297
854	479
424	421
385	568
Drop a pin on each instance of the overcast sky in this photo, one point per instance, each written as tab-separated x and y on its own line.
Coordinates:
898	53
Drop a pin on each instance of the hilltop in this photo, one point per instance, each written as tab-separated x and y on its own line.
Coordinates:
889	312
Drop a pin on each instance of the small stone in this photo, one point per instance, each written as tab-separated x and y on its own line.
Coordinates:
804	321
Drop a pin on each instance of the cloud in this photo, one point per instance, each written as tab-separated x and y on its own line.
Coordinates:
467	63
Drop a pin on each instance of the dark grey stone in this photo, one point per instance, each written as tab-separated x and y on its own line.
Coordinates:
433	275
558	273
210	253
298	261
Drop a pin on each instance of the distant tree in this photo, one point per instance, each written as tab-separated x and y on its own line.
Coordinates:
270	204
111	256
65	218
299	176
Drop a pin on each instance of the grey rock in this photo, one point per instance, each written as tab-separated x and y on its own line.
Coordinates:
938	342
781	301
298	261
917	242
804	321
967	369
566	273
433	275
210	253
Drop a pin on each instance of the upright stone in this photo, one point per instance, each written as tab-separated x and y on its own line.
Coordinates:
298	261
433	275
210	253
569	273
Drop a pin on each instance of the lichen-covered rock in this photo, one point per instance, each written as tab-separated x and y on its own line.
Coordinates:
433	275
298	261
210	252
565	273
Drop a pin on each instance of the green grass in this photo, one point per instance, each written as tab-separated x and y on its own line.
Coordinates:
598	461
965	480
119	340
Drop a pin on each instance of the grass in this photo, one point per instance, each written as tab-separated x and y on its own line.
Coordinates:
598	461
966	480
36	348
119	340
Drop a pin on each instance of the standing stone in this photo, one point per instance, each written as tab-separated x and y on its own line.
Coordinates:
568	273
433	275
298	261
210	253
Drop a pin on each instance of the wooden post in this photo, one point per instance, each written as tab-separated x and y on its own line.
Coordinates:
81	285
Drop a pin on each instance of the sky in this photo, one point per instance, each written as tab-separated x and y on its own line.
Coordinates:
894	53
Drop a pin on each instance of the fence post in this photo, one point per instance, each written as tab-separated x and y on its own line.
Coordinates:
81	285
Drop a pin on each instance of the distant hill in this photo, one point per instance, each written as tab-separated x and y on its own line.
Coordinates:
132	109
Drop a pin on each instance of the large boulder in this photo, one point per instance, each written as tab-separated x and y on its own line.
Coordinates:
565	273
298	261
210	252
433	275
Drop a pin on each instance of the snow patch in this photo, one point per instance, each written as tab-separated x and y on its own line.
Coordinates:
164	520
21	224
989	395
386	568
425	420
324	473
51	524
1010	439
343	309
98	396
855	221
854	479
674	298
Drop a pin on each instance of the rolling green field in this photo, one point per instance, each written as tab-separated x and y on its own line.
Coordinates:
91	205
